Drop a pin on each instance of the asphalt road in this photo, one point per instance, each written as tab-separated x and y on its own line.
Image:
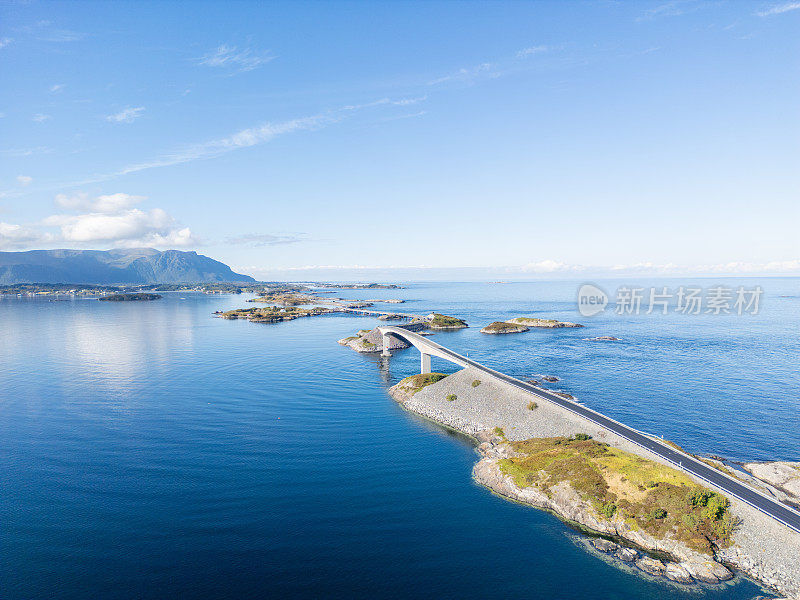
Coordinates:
775	509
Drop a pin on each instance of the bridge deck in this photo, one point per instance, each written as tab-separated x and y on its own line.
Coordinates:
685	462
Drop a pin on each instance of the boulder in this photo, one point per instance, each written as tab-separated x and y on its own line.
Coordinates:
652	566
677	572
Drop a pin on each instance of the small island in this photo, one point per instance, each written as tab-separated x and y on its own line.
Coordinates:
137	297
542	323
272	314
440	321
502	327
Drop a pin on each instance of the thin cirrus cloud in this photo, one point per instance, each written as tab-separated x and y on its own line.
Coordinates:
24	179
230	57
490	70
5	42
779	9
110	219
40	118
264	239
56	88
127	115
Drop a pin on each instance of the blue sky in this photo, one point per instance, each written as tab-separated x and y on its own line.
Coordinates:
295	140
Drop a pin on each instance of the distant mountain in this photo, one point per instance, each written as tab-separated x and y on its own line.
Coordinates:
140	265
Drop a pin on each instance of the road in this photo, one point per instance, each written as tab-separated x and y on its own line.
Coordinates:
775	509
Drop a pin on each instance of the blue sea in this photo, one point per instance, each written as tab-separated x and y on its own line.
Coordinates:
149	450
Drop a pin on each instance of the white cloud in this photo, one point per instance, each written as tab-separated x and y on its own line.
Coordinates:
110	203
40	118
24	179
17	236
56	88
231	57
481	70
59	35
525	52
549	266
128	115
107	220
264	239
779	9
5	42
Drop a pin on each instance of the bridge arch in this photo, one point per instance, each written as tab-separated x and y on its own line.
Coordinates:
426	347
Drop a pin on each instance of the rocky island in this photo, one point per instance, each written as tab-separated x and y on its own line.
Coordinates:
440	321
647	513
272	314
542	323
503	327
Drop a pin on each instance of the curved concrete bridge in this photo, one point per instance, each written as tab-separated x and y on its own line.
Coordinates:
685	462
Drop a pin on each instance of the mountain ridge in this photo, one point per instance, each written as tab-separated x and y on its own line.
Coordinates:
124	266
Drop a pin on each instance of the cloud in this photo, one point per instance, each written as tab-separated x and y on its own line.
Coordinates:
525	52
111	203
264	239
779	9
241	139
26	151
244	138
231	57
106	220
549	266
481	70
40	118
56	88
17	236
5	42
24	179
59	35
128	115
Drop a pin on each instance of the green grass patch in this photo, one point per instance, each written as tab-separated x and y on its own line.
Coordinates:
417	382
649	496
451	397
532	405
476	382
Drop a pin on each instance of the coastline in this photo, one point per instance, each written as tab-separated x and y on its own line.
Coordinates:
761	548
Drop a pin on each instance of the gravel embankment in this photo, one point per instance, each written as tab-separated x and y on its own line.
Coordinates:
763	548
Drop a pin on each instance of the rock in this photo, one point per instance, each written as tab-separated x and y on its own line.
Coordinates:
708	572
550	378
542	323
677	572
499	327
532	381
602	338
627	554
652	566
604	545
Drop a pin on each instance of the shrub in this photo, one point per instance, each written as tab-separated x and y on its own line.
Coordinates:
532	405
451	397
659	513
582	437
499	431
476	382
608	509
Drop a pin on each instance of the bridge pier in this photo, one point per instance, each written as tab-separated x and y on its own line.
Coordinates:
425	363
385	351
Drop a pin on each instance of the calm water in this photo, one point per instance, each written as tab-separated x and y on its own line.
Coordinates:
148	450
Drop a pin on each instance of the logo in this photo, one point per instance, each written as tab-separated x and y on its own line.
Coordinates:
591	300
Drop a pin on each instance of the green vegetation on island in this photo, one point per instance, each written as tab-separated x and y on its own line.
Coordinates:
440	321
411	385
542	323
501	327
137	297
657	499
272	314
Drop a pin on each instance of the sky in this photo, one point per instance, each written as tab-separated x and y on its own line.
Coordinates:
347	140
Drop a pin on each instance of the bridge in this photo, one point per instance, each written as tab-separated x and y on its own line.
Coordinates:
681	460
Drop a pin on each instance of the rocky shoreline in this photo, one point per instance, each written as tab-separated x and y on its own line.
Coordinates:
495	414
